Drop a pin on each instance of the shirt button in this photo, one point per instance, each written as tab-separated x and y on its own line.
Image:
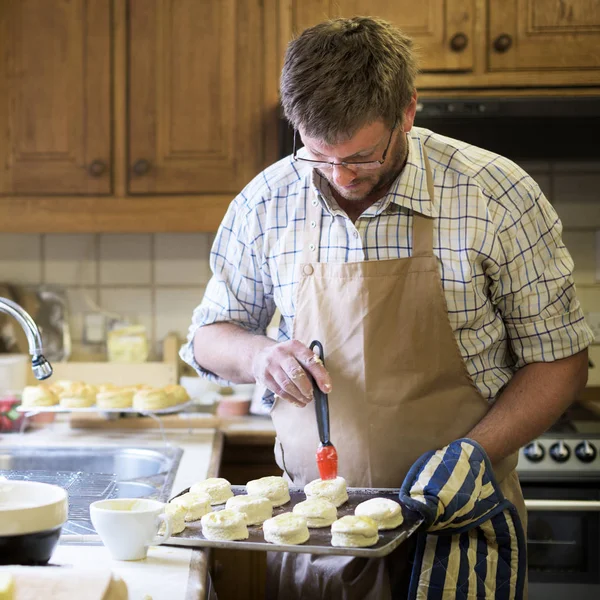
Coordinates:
313	224
308	270
355	234
315	202
311	247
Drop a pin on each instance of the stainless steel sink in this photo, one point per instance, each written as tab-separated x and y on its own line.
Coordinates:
93	473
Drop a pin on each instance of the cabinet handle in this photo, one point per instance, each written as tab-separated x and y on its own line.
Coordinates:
459	42
503	43
141	166
97	168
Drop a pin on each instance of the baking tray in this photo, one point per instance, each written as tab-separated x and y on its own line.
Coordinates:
320	539
34	410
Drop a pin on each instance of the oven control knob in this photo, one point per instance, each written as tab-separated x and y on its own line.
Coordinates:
560	452
585	452
534	452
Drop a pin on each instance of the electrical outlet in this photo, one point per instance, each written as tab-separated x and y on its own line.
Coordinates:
593	320
94	331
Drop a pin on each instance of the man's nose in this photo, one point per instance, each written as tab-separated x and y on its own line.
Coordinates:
343	175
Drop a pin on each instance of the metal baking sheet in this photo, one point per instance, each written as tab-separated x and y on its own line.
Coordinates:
34	410
320	539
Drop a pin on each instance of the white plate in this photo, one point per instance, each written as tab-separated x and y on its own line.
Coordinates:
95	409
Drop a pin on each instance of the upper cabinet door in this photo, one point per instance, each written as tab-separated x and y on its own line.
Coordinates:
196	101
55	97
442	29
544	34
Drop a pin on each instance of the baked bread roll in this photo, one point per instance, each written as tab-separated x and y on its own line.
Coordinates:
286	528
276	489
78	396
385	512
38	395
334	490
196	505
176	394
318	512
354	532
62	385
150	399
116	398
224	525
257	509
176	515
217	489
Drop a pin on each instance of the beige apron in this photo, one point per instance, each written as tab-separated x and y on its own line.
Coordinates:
400	389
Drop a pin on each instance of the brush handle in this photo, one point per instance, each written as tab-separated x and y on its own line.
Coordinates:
321	401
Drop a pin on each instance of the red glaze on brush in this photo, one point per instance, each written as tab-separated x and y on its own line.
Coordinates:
327	461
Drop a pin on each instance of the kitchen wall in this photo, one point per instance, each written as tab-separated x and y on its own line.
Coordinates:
157	279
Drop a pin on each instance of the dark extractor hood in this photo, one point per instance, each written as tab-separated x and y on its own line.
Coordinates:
523	128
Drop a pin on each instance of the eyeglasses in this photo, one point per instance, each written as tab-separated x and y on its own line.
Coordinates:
366	164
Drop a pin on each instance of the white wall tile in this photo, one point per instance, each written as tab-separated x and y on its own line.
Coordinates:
70	259
581	245
20	258
577	199
174	307
181	258
130	304
125	259
78	308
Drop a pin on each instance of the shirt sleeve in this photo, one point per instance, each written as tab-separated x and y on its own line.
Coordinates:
236	291
533	285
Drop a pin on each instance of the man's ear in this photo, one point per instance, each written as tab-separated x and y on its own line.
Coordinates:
410	113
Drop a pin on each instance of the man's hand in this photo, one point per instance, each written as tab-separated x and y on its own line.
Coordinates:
282	368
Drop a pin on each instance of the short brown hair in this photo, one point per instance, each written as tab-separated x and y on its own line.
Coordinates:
343	74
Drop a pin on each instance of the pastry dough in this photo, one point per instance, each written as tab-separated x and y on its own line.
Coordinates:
256	509
196	505
276	489
318	512
217	488
176	515
38	395
354	532
78	396
150	399
286	528
385	512
176	394
224	525
334	490
115	398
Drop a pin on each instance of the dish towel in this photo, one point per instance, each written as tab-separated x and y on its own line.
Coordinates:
472	544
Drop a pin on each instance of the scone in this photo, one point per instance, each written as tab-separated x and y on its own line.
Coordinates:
78	396
176	394
286	528
38	395
334	490
176	515
217	489
115	398
150	399
224	525
257	509
354	532
318	512
196	505
385	512
276	489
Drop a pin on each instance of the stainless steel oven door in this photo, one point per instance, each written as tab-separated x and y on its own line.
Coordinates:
563	540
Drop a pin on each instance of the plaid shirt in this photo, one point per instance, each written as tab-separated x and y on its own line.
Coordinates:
506	274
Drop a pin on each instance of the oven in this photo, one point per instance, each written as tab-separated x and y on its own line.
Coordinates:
560	477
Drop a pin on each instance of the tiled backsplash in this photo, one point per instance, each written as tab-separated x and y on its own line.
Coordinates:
158	279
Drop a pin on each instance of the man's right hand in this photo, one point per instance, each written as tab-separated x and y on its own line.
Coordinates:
282	368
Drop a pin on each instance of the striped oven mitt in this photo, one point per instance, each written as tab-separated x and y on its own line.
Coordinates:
472	544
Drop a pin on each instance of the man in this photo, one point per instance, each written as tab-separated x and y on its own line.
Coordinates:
433	272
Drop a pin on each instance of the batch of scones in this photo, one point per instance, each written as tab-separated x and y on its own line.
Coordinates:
76	394
288	528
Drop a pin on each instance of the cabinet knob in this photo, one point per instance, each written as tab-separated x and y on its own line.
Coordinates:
458	42
141	166
503	43
97	168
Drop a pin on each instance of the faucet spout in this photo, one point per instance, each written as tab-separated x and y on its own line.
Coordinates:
40	366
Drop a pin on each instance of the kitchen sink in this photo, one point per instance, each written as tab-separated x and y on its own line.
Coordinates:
91	473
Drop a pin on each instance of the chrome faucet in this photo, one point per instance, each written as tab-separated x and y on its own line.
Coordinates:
41	368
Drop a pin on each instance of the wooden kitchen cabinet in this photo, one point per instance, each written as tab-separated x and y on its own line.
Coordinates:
55	97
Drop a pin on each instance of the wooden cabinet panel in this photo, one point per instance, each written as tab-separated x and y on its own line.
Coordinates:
55	97
196	76
544	34
442	29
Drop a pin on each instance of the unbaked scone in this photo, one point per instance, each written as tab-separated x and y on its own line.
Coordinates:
224	525
354	532
115	398
275	488
257	509
217	489
150	399
176	515
385	512
286	528
334	490
176	394
196	505
318	512
38	395
78	396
